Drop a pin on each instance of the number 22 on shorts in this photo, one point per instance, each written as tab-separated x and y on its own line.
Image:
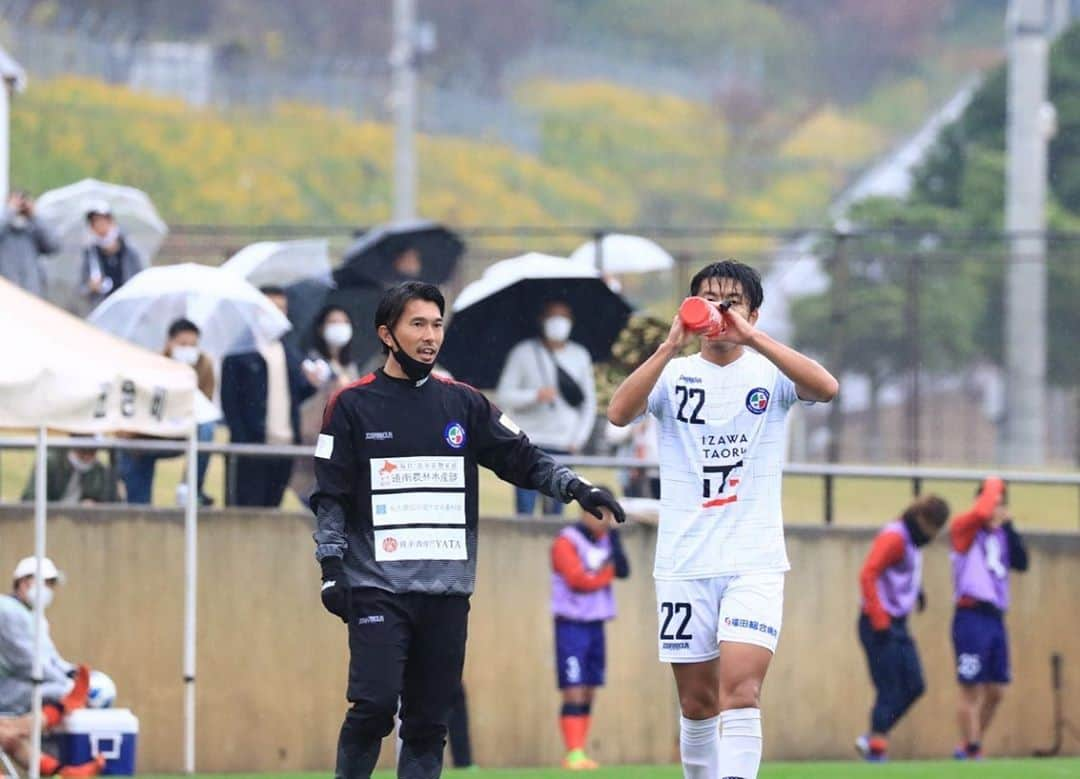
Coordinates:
675	613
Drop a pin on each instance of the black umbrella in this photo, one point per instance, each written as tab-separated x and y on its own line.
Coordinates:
307	298
423	250
494	314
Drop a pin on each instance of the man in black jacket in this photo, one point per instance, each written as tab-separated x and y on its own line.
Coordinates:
397	505
261	393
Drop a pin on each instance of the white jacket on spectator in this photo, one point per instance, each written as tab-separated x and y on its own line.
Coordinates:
17	654
554	425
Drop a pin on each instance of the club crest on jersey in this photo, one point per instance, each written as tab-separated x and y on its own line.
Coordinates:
454	435
757	400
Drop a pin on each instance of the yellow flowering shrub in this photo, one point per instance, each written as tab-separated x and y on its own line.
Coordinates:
830	136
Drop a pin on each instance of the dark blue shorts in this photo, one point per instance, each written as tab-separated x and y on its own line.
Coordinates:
579	653
982	647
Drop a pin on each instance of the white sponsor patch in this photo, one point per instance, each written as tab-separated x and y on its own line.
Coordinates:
509	424
414	508
324	447
395	473
420	543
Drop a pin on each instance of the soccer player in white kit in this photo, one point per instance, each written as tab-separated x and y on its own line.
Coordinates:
720	557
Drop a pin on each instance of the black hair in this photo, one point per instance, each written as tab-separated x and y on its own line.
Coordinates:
931	508
272	289
182	326
317	340
394	300
748	278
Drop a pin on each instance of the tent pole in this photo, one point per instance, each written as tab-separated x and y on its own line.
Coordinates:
40	498
190	573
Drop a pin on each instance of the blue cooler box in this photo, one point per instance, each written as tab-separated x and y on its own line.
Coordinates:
111	733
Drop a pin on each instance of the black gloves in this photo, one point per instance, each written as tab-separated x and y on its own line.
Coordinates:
335	588
593	499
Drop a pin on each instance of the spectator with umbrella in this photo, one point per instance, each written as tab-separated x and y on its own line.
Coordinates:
548	385
65	211
108	260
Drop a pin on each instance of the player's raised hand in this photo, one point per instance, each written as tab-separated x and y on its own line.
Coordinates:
678	336
737	329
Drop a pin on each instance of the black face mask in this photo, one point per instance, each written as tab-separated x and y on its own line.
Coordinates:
416	370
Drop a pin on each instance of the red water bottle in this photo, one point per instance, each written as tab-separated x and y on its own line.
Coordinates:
700	316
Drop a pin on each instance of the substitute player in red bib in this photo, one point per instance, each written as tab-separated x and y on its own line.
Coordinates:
891	585
585	558
720	556
985	547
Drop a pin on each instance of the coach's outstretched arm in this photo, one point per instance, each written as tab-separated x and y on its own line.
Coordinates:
812	381
632	396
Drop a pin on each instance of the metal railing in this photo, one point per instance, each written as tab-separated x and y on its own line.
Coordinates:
828	473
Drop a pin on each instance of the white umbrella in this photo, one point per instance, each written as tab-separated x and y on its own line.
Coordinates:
620	253
232	315
59	372
282	262
64	210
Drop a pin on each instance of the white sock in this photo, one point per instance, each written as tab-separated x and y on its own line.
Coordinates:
698	743
740	743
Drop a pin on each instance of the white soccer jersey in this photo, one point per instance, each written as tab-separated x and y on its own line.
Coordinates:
722	448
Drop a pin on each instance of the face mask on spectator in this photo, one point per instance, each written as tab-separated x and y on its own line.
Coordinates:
109	238
189	355
557	328
80	465
19	222
46	594
337	333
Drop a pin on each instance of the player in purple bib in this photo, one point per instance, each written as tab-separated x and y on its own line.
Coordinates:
891	585
985	546
585	559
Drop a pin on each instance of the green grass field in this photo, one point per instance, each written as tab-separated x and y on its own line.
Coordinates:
989	769
857	501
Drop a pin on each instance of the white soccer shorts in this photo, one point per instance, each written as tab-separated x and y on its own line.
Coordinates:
695	615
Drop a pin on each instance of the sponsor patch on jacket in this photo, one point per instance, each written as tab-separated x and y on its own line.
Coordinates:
395	473
420	543
509	424
382	435
416	508
324	447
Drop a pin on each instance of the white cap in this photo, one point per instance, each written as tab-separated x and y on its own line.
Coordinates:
28	567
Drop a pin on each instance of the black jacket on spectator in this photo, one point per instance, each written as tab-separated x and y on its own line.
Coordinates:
244	390
259	481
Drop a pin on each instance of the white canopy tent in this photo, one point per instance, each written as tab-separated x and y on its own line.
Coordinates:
58	372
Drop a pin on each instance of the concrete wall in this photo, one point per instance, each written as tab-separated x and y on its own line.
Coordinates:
272	664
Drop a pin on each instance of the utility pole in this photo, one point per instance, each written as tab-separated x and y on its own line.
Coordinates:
12	80
403	62
1029	126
